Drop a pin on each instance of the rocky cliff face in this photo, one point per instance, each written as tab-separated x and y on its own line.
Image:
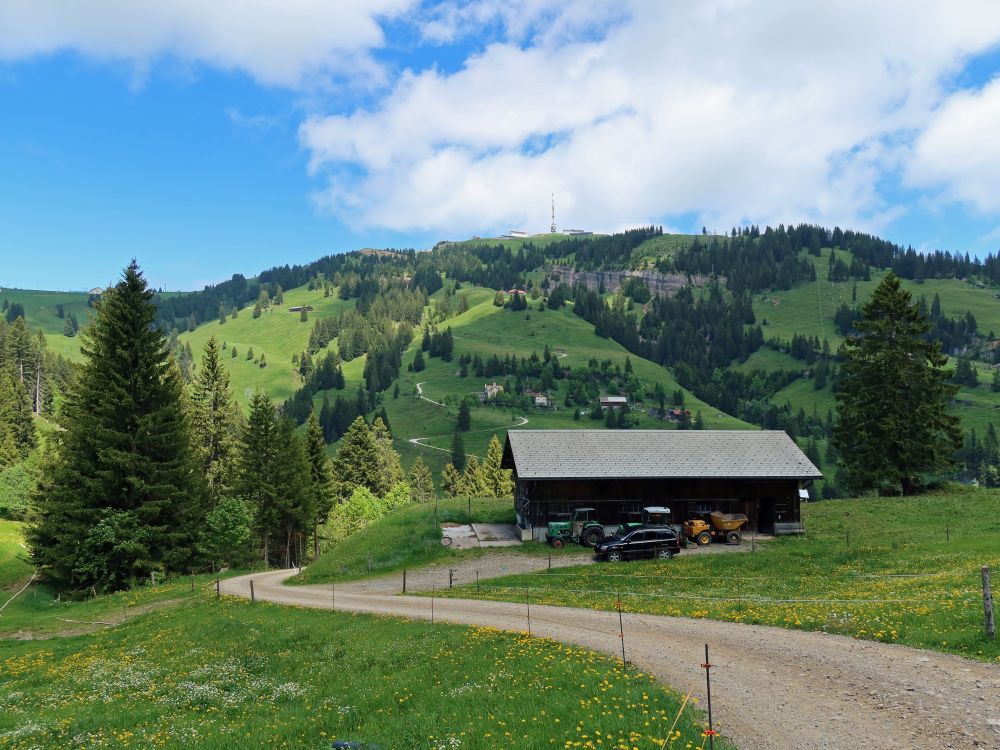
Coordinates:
659	283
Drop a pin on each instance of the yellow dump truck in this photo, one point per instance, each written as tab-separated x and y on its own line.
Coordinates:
715	526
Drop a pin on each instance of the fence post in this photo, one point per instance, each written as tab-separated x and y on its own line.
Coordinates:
550	561
707	666
477	581
433	586
218	589
404	580
451	578
991	626
527	602
192	581
253	597
621	632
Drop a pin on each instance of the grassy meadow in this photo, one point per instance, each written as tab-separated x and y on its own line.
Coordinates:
277	334
227	673
897	570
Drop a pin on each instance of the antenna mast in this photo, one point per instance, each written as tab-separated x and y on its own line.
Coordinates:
552	228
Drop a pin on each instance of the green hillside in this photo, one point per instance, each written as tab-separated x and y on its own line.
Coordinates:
484	329
41	311
277	334
808	309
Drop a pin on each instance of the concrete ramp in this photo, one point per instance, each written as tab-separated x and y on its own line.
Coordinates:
497	534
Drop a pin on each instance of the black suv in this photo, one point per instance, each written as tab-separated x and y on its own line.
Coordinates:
660	542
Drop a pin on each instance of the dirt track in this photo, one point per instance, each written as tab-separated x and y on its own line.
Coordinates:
771	688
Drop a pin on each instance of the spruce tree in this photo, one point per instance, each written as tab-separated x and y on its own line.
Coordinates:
215	435
17	428
320	475
294	498
256	484
893	397
420	480
390	469
458	452
464	422
120	498
356	463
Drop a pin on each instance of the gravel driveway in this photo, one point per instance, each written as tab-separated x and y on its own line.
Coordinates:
771	688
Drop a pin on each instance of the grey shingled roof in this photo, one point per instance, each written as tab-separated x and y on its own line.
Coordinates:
658	454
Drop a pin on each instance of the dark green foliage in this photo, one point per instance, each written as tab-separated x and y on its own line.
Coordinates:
893	397
458	457
965	373
320	473
464	421
120	497
14	312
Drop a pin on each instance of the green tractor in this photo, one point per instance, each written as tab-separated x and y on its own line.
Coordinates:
582	527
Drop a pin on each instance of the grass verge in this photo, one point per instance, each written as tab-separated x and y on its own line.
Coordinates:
409	537
223	674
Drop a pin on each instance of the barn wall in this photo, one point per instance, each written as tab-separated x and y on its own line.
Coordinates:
763	501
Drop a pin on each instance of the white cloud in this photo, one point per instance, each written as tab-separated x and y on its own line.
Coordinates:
959	152
277	43
732	110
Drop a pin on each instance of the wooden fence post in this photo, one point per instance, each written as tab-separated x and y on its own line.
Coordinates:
991	626
253	598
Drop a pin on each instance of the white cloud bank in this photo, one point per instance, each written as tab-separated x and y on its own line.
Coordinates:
629	110
959	152
731	110
276	42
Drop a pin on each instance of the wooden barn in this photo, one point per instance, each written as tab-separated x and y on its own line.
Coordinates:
760	473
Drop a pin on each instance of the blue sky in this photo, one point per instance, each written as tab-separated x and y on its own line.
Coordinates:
211	141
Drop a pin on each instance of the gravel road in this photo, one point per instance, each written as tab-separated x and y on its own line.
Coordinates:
772	689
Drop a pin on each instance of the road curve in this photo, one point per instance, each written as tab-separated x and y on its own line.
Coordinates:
772	689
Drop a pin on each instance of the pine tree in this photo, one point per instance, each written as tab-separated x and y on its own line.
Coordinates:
418	361
498	480
120	498
458	452
893	397
356	463
279	296
214	434
304	314
222	314
420	480
451	480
